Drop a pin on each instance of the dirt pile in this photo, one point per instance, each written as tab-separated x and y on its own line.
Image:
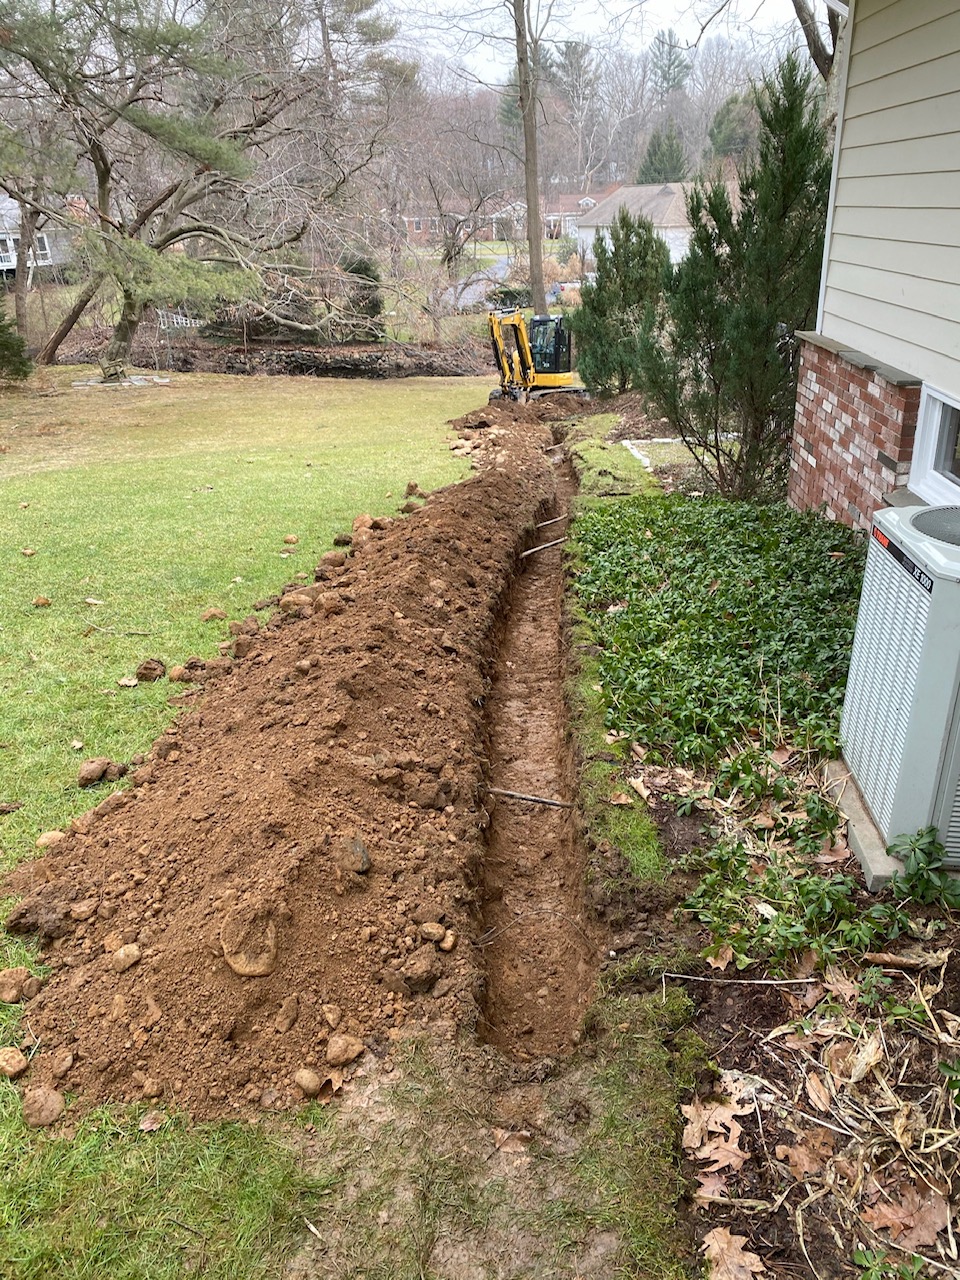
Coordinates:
293	876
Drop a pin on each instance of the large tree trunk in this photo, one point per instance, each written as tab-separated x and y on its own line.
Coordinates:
48	352
125	330
526	78
28	227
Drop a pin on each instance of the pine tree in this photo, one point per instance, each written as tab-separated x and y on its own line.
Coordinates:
14	364
669	66
665	160
618	309
722	367
734	128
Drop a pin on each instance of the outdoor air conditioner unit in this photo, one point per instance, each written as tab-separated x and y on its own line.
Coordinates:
901	714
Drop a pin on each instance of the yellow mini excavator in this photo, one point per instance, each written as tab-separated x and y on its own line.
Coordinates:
533	356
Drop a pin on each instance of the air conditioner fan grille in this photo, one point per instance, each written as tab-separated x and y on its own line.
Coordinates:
941	523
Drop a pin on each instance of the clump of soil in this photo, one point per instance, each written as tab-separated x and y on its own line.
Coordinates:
293	876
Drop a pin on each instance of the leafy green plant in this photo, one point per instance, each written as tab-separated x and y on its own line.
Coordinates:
776	911
924	878
709	615
952	1072
877	1264
873	986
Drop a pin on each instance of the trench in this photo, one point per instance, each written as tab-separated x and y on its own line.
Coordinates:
538	939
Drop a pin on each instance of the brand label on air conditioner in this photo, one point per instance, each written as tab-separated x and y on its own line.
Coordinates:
903	560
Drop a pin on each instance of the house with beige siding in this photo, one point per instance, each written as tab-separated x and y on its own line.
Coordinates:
878	403
664	204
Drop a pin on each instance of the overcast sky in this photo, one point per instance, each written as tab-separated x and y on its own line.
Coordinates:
488	50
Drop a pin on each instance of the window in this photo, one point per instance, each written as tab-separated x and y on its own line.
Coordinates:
418	224
935	472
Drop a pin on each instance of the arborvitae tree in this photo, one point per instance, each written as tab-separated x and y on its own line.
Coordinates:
722	367
617	311
14	364
665	160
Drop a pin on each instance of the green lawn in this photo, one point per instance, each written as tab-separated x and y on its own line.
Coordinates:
160	502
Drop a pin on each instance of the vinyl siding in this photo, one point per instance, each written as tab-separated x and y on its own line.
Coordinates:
892	281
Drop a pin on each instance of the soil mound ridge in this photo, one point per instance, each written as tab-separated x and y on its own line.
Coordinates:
292	877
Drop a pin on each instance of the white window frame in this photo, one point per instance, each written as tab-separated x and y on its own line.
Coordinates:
933	486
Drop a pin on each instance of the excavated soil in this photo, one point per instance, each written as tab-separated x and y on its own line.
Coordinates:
302	868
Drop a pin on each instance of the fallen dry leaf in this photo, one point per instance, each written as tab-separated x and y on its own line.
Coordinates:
867	1054
28	551
713	1186
152	1121
705	1118
724	1152
809	1154
128	682
817	1092
722	958
638	752
781	755
91	600
913	1221
838	984
727	1257
621	798
41	602
639	787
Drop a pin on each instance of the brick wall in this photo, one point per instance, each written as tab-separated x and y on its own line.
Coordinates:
853	434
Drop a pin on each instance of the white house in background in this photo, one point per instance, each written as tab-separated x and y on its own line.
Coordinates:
49	247
663	203
878	405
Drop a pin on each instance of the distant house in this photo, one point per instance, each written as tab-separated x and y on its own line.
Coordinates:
50	247
878	402
663	203
564	211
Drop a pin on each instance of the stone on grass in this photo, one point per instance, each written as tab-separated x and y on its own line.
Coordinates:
42	1106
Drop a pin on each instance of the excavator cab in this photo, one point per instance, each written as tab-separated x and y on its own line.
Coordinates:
533	358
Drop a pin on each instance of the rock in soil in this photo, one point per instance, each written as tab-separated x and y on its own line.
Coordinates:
343	1049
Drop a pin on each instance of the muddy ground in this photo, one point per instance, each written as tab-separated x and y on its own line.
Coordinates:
298	872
